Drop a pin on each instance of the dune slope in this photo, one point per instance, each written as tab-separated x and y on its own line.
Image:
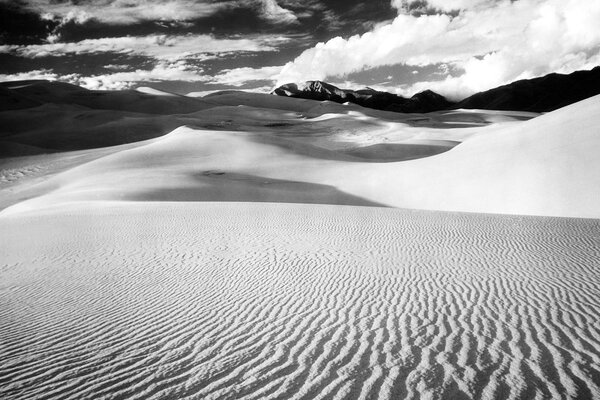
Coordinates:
544	166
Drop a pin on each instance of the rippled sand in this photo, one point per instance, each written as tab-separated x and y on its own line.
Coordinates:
185	267
261	300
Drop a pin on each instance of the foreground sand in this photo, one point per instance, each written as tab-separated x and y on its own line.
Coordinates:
260	300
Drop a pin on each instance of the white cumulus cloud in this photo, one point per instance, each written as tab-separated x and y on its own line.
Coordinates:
489	42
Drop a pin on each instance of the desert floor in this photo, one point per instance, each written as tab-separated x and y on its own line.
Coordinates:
260	247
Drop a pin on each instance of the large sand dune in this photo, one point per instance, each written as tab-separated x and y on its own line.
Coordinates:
544	166
166	255
265	301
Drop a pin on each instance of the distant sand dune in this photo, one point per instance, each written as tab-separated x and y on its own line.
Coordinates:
544	166
261	301
56	126
40	91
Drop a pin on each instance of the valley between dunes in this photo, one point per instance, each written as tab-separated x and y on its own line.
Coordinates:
257	247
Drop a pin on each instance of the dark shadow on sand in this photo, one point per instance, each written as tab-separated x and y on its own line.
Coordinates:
377	153
391	152
217	185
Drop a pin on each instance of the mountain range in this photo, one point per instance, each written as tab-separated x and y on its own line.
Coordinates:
542	94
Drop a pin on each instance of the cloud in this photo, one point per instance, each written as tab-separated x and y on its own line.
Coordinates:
162	47
134	11
178	71
242	76
202	93
74	16
164	71
174	58
128	11
488	73
441	5
489	42
274	12
30	75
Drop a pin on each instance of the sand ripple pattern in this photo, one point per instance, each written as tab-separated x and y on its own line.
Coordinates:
278	301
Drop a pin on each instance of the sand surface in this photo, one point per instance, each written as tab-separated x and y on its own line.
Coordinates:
257	247
258	301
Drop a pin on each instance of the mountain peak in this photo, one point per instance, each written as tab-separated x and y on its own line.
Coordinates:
367	97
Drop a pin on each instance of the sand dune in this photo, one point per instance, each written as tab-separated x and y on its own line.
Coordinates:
43	117
126	100
311	109
261	301
149	255
54	127
544	166
235	98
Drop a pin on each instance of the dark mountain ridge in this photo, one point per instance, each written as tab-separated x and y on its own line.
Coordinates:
316	90
542	94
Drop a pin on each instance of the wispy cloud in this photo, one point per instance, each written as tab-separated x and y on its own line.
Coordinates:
127	11
46	74
133	11
163	47
172	57
242	76
163	71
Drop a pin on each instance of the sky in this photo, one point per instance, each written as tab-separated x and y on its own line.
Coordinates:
454	47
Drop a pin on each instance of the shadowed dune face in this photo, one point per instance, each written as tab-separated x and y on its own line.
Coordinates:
54	128
249	300
401	152
222	186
